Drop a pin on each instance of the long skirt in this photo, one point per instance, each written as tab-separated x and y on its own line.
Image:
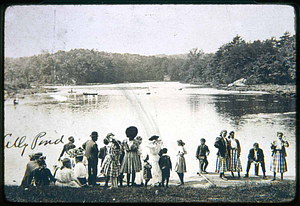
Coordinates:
131	163
180	166
110	167
278	163
235	162
155	171
221	165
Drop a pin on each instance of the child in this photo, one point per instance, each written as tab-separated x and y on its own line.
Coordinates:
80	170
147	170
201	155
165	166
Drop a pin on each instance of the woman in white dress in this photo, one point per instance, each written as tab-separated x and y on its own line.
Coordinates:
154	146
65	176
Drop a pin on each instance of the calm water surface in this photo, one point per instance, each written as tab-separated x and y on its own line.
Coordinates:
172	110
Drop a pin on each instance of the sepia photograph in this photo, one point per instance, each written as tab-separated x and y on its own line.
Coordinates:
150	103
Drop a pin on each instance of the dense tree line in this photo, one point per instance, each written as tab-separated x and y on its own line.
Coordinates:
268	61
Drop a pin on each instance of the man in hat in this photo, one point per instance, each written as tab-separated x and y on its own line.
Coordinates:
91	153
30	167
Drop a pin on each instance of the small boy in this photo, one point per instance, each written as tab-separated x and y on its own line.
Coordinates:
201	154
147	170
165	165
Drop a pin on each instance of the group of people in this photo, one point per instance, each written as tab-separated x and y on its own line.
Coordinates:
229	151
78	167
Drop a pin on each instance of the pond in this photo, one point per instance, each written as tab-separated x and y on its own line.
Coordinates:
171	110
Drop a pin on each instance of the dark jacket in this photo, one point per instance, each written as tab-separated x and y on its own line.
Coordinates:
42	176
28	176
260	155
165	162
221	143
91	150
202	150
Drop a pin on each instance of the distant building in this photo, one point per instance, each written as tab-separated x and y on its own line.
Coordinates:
167	78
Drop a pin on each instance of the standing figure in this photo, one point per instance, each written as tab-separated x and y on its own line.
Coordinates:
165	165
31	165
222	155
235	153
70	145
180	166
131	162
256	156
201	154
147	170
154	146
278	163
42	175
103	150
111	164
91	153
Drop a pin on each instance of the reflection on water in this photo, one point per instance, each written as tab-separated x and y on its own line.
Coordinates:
172	113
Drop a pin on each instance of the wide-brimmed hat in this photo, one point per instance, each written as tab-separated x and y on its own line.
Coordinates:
94	133
110	135
36	155
180	142
131	131
154	137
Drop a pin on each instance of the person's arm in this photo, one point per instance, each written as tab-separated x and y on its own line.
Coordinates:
250	155
170	163
207	151
239	148
197	152
62	152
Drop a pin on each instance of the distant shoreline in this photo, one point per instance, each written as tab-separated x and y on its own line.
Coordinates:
282	90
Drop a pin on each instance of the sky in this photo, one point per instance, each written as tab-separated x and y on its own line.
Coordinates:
139	29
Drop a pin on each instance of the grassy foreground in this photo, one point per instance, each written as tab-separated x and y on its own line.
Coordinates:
281	191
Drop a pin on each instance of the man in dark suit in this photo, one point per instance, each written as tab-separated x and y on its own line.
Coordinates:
256	156
91	153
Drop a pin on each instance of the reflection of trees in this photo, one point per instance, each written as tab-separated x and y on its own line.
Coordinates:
235	106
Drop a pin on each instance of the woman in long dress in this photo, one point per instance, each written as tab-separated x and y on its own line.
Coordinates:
131	163
235	152
180	166
154	148
278	163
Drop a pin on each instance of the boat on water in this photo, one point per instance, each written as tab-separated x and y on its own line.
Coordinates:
88	93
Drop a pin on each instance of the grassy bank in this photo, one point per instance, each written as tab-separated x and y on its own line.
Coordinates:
281	191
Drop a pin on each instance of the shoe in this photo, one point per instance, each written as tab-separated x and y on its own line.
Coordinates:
264	177
204	172
273	179
246	176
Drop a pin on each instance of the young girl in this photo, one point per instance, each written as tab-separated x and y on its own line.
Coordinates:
180	166
111	164
147	170
278	163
